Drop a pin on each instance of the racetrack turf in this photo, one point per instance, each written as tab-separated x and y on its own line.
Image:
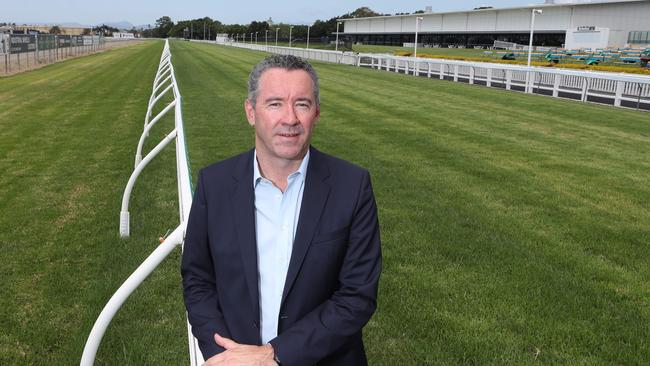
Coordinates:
514	226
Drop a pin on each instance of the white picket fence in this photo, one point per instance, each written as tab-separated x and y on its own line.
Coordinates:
617	89
164	82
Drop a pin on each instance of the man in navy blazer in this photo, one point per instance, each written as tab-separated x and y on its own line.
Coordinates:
329	291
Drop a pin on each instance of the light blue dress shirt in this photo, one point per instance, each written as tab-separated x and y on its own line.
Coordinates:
276	220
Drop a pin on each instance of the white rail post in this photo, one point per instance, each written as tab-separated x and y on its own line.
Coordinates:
556	85
620	85
127	288
125	230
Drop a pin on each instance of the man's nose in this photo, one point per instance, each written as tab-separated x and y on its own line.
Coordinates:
290	116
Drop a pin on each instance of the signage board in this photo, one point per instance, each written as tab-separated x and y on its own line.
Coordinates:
77	41
46	42
21	43
63	41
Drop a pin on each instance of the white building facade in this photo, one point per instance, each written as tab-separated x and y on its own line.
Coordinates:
572	24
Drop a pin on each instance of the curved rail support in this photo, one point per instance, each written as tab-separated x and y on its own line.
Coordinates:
124	213
147	128
127	288
153	96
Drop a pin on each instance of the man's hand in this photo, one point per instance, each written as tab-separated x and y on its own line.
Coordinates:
241	354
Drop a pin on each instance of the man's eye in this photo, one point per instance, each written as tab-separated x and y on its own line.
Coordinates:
303	105
274	104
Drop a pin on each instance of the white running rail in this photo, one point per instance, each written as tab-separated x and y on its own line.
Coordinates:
166	81
617	89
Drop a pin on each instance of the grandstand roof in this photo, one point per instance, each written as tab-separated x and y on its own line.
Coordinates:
531	6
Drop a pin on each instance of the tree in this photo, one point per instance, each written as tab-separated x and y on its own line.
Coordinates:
106	30
55	30
163	26
363	12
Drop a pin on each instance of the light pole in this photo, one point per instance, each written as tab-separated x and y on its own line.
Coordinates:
336	46
309	26
276	36
266	38
290	28
255	37
417	27
532	27
251	42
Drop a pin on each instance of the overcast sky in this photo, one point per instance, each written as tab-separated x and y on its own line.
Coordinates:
140	12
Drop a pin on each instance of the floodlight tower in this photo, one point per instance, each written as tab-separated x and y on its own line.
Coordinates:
266	38
417	27
276	36
255	37
532	27
336	46
290	28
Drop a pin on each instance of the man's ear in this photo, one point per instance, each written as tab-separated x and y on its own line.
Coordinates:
317	114
250	112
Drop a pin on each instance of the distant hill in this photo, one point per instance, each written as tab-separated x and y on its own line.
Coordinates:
119	25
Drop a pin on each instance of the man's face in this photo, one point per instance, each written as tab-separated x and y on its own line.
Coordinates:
284	114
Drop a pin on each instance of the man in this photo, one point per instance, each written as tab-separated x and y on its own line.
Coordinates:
282	253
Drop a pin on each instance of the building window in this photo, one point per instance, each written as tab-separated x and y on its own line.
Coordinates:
638	37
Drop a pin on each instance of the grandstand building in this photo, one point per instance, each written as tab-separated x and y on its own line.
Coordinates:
563	23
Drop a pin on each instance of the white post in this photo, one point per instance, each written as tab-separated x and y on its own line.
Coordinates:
532	27
290	28
127	288
336	46
309	26
556	85
417	26
620	85
255	37
266	39
276	36
529	88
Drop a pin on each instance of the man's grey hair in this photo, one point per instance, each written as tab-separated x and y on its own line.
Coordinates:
286	62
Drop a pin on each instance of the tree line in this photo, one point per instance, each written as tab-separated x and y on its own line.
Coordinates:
208	28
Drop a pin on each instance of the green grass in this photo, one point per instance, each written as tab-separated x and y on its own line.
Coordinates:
69	136
514	226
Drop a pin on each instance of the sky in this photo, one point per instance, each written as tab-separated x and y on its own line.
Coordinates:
141	12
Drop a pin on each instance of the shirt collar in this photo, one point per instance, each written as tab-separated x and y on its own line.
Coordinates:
256	168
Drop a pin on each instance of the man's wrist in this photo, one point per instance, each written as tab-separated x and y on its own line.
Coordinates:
274	355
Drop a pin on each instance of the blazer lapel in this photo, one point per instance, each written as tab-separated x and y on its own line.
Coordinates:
314	198
243	204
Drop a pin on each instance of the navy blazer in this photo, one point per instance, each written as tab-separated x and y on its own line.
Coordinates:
330	291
